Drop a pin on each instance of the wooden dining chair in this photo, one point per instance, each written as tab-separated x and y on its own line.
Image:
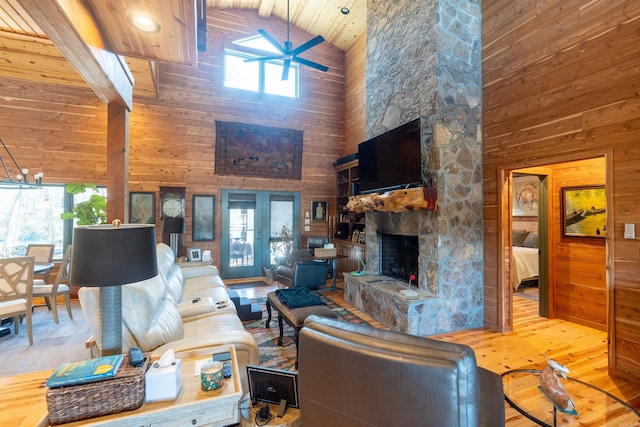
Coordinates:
43	253
16	287
60	286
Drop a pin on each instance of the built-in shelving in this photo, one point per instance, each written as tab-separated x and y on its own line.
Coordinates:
347	179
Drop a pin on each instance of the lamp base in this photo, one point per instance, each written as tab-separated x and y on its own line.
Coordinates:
110	320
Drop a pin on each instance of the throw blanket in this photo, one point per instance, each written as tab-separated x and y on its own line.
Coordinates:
298	297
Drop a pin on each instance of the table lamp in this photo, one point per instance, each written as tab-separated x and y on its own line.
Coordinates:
107	256
174	227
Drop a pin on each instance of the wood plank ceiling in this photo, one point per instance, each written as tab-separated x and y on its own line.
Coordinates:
27	52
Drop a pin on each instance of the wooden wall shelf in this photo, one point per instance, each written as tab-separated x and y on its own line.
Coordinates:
407	200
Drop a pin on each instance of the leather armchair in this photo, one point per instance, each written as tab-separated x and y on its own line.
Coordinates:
300	269
354	375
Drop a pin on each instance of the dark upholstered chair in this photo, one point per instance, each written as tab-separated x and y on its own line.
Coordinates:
300	269
355	375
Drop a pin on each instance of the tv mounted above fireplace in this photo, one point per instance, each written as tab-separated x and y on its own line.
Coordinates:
391	160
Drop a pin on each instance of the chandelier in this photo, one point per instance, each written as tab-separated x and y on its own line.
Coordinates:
21	180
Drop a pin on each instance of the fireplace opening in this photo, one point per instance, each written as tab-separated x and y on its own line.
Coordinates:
399	257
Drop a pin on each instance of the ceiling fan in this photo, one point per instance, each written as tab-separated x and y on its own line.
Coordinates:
289	54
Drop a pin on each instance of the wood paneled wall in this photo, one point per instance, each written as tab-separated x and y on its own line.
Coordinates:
577	285
560	83
356	95
172	137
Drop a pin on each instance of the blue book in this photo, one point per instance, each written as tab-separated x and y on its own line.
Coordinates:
85	371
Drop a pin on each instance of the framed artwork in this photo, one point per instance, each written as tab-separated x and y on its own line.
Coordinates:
362	237
251	150
355	236
318	211
526	190
203	224
195	254
584	211
142	208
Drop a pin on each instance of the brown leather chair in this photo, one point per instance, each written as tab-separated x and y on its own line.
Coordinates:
354	375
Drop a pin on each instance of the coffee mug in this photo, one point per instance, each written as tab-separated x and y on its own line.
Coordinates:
211	377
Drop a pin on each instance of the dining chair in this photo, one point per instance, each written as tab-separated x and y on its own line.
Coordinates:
43	253
16	287
60	286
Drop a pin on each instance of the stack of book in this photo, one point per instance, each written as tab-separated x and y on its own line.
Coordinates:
85	371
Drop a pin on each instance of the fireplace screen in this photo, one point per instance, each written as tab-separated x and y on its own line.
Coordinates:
399	257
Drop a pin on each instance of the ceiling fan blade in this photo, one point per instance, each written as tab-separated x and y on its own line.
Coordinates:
271	40
285	69
264	58
311	64
308	45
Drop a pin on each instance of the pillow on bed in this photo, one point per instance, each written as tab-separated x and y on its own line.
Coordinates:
519	237
531	241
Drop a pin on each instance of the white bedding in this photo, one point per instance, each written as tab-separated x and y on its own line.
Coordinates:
526	262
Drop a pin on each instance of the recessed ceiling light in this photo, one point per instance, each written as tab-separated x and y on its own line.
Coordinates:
144	23
344	10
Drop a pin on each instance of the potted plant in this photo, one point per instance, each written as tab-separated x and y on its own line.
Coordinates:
89	212
279	251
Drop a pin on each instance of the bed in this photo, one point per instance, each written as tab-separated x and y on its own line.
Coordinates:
524	256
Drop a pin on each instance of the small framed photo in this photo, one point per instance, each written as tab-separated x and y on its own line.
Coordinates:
142	208
362	237
203	224
584	211
318	211
355	236
195	254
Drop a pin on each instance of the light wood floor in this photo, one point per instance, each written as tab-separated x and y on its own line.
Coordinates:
583	350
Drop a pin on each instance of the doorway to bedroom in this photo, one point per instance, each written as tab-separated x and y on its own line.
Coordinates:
571	251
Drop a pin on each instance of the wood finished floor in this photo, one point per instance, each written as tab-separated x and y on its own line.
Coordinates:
582	349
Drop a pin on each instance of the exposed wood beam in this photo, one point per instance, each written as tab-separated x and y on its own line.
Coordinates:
265	8
117	162
69	24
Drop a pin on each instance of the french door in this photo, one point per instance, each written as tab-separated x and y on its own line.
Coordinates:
251	226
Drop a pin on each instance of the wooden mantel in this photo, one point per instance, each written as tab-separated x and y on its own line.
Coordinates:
410	199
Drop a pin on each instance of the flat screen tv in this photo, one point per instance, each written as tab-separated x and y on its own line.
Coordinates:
391	160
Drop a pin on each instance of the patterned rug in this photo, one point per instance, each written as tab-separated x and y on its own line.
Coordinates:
274	356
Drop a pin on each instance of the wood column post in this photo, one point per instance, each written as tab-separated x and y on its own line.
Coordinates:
117	162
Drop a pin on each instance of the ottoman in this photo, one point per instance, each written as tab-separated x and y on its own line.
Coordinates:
293	316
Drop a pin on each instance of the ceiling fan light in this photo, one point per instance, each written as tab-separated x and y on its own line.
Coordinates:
144	23
344	10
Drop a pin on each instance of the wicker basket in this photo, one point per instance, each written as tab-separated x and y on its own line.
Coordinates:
124	392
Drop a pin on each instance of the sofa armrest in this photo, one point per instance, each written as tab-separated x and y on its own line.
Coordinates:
198	270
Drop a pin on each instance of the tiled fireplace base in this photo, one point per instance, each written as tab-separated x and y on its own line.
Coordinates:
380	298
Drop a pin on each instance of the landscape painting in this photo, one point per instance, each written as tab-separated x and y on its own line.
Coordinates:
584	211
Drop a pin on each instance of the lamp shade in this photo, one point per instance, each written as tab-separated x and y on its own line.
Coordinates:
107	256
172	225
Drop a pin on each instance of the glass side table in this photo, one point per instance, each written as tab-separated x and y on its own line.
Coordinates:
595	407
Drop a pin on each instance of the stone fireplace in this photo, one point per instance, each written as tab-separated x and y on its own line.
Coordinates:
423	60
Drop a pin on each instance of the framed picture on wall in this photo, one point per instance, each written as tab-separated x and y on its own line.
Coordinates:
318	211
142	208
203	224
584	211
526	190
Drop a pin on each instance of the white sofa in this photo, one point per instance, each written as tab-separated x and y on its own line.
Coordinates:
159	314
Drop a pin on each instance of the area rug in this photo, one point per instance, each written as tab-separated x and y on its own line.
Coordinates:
245	285
274	356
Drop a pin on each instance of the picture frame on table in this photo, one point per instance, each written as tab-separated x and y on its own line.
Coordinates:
142	207
203	219
195	254
318	211
362	237
584	212
355	236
